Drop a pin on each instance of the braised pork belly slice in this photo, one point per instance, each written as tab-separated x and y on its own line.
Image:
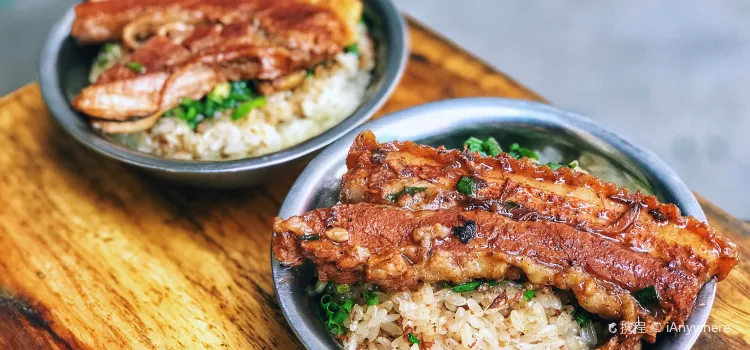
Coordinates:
182	49
420	177
397	249
101	21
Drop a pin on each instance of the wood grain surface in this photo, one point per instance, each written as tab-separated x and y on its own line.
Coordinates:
94	255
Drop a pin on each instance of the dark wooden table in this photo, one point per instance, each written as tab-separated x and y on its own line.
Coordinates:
95	255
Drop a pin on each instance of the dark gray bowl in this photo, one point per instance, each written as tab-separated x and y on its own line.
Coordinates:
64	68
561	135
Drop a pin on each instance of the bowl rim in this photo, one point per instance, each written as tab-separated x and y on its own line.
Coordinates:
61	111
659	175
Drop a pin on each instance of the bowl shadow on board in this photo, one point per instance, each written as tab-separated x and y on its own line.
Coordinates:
64	71
556	139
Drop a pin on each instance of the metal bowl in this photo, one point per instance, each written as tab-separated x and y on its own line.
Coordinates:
64	68
561	136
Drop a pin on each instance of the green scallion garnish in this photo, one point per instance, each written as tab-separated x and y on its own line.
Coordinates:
493	283
334	328
466	287
393	197
348	304
239	92
259	101
220	93
414	190
519	152
331	308
555	166
308	238
135	67
488	147
325	300
108	47
491	147
371	298
581	317
412	338
474	144
353	48
340	316
342	288
647	296
242	111
466	185
528	295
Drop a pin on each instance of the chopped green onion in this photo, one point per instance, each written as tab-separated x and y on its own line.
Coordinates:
325	300
466	287
240	91
242	111
581	316
393	197
331	309
308	238
414	190
237	95
371	298
466	185
492	283
555	166
229	103
310	72
259	101
412	338
209	109
353	48
340	316
342	288
488	147
348	304
108	47
491	147
135	67
474	144
220	92
179	112
647	296
192	112
529	294
334	328
519	152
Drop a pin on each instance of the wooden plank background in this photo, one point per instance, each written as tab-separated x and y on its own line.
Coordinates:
95	255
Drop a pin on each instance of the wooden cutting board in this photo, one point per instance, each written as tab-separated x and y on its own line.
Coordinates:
96	255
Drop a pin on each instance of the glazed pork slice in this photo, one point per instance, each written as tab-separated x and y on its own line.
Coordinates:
194	45
420	177
101	21
398	248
